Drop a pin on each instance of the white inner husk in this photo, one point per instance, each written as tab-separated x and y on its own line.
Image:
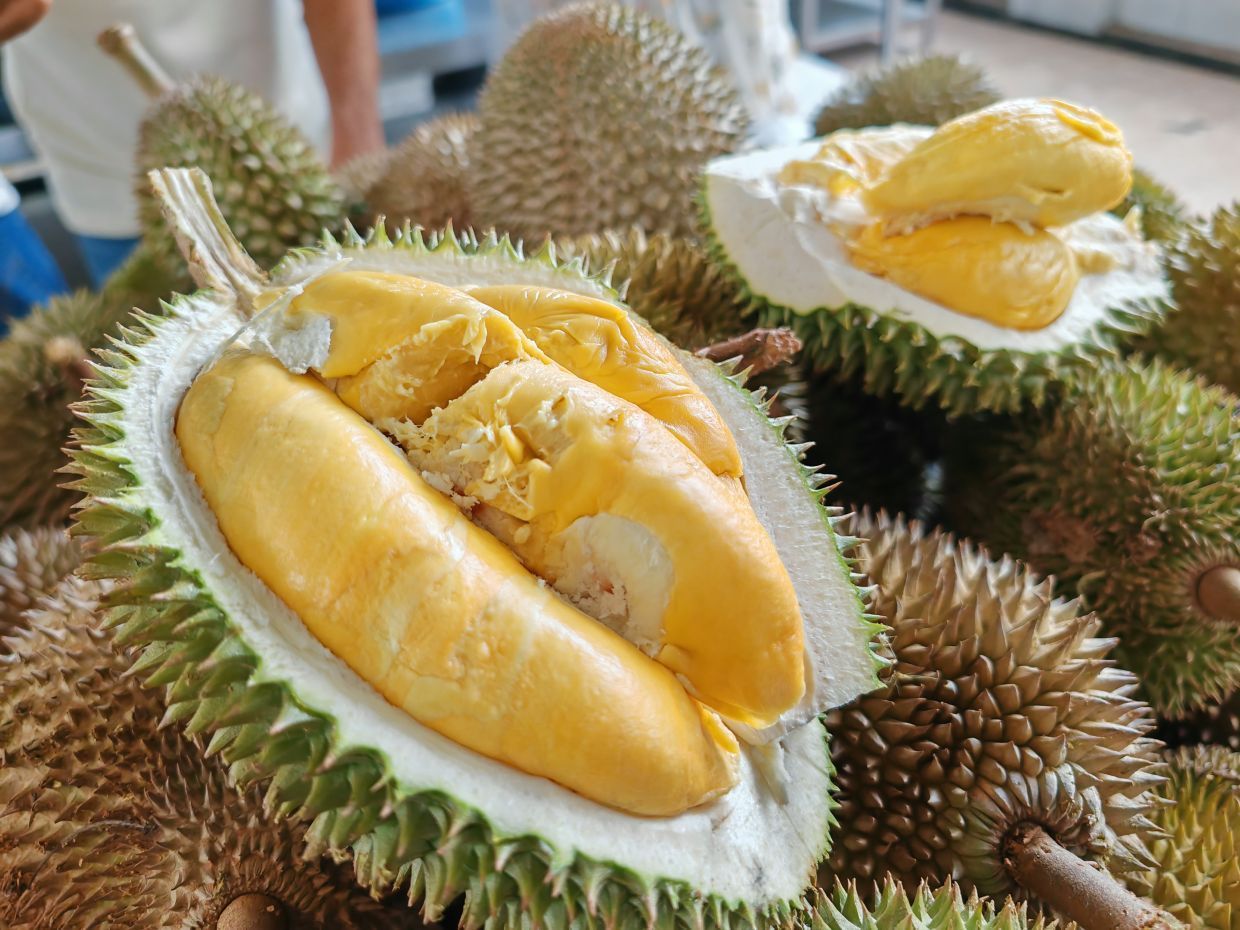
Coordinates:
776	237
751	845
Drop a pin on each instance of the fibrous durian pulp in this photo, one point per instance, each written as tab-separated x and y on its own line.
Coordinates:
457	695
1128	491
935	264
598	117
108	819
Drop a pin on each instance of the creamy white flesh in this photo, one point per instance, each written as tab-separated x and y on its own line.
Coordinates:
780	239
755	844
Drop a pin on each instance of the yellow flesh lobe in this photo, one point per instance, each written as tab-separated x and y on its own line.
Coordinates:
600	343
431	610
549	454
1039	162
850	160
994	271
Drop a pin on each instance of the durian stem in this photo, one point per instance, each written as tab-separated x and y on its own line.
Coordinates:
252	911
1074	888
121	42
1218	592
759	349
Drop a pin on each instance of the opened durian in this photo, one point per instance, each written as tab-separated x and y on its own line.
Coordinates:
531	638
1196	875
1203	332
32	563
274	189
1003	744
108	819
1163	216
599	116
894	908
924	92
968	267
1128	491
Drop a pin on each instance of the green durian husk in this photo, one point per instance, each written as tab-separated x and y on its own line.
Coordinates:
897	907
1163	216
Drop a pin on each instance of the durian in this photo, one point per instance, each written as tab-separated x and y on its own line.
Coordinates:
32	563
1216	723
924	91
1196	875
598	117
1202	333
926	908
423	179
1163	216
43	364
274	189
1128	491
932	265
1001	723
449	805
108	819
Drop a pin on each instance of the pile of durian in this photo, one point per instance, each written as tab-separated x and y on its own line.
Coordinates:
440	541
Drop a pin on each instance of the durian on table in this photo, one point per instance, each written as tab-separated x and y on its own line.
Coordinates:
972	267
362	615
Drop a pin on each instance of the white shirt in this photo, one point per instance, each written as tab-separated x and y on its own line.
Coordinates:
81	109
8	196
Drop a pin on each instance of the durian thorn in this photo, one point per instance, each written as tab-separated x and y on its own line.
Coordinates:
69	355
216	259
1075	888
252	911
1218	592
759	349
121	42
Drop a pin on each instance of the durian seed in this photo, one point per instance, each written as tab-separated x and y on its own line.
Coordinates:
1218	592
252	912
759	350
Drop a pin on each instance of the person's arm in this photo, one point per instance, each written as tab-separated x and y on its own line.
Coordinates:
16	16
347	48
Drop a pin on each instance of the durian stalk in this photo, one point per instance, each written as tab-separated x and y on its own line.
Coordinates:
1090	897
1218	590
252	912
759	350
121	42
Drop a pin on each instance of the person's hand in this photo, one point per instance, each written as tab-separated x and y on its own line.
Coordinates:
16	16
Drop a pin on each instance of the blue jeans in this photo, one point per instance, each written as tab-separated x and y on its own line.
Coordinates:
103	255
28	274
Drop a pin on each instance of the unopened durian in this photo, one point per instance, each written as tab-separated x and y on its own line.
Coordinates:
599	117
1202	333
274	189
1002	713
108	819
923	91
422	180
1128	491
934	265
32	563
893	907
317	589
43	364
1196	875
1163	216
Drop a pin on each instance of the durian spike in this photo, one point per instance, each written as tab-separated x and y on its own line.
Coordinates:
1218	592
121	42
1089	896
216	259
759	350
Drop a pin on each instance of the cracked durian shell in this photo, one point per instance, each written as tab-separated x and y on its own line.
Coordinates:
108	819
1002	707
924	92
1196	876
32	563
599	116
1128	491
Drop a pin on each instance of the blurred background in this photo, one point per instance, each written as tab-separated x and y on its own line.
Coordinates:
1168	73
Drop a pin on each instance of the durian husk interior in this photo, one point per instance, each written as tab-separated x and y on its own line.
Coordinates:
546	441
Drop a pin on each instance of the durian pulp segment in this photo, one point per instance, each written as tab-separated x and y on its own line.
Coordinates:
432	611
602	501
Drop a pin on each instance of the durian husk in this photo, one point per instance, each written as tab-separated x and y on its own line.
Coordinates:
1163	216
599	117
109	819
1002	708
924	907
32	564
1202	333
923	91
1127	489
1196	876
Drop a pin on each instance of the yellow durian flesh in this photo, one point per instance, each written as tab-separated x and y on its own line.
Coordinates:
1038	162
997	272
601	343
431	610
850	160
599	498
